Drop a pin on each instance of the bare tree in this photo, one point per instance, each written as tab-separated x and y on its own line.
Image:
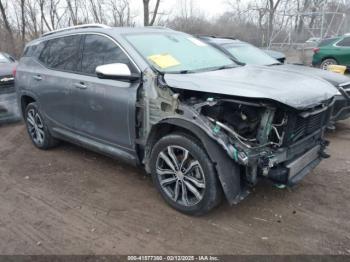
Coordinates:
73	11
272	6
32	21
23	23
148	17
43	19
121	13
7	27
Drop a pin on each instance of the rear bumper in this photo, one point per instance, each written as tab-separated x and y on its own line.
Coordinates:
9	110
316	61
315	64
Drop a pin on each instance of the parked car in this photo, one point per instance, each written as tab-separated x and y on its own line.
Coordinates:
201	124
332	51
248	54
313	40
279	56
8	102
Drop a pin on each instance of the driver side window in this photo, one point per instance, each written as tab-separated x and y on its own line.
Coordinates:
99	50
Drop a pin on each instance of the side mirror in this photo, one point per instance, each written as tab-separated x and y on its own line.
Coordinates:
117	71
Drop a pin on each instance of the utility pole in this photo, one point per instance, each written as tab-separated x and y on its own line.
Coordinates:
322	20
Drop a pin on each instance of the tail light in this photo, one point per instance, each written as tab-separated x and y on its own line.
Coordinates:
14	71
316	49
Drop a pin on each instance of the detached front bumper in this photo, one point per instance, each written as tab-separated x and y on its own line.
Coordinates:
295	162
303	165
292	172
9	110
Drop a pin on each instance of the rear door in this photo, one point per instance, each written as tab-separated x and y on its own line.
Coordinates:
61	60
344	51
104	109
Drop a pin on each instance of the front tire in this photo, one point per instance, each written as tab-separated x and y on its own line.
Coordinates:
329	61
37	129
184	174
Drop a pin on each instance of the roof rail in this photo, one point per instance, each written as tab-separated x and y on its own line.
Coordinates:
158	27
76	27
211	36
217	36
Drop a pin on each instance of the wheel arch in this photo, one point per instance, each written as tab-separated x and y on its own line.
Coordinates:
25	100
227	170
329	57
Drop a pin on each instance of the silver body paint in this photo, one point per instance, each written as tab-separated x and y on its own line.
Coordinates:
121	119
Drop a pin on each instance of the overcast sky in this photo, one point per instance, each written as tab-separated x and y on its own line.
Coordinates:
207	7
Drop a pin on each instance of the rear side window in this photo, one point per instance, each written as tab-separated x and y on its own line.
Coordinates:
34	50
62	53
344	42
99	50
327	41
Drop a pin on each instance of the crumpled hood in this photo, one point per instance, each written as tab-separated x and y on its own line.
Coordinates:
6	69
293	89
334	78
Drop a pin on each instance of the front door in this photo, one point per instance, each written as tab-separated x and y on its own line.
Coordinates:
104	110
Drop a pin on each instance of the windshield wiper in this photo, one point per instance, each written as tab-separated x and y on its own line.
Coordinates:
238	62
188	71
275	64
226	67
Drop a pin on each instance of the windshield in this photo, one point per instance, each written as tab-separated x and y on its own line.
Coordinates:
4	59
178	53
249	54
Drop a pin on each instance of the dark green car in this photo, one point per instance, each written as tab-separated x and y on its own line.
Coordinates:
332	51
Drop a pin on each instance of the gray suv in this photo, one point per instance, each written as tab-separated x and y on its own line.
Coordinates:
202	125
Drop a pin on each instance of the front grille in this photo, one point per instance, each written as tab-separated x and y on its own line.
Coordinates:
299	127
6	86
5	82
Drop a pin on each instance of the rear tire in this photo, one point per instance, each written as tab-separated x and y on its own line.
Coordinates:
37	129
184	174
329	61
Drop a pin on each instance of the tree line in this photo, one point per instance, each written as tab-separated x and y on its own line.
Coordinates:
260	22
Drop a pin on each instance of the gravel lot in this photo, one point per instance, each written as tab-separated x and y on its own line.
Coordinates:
72	201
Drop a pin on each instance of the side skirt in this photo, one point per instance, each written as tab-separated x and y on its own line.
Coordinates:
95	146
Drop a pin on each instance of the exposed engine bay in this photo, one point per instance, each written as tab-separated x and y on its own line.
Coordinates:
256	132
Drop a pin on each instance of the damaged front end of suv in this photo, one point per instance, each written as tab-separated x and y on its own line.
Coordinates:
238	123
247	138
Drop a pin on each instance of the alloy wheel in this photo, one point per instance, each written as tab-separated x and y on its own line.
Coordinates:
180	175
326	64
35	127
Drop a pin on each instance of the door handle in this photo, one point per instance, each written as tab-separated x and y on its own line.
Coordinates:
80	85
37	77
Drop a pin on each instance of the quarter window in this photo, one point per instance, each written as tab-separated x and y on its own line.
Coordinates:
99	50
62	53
345	42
